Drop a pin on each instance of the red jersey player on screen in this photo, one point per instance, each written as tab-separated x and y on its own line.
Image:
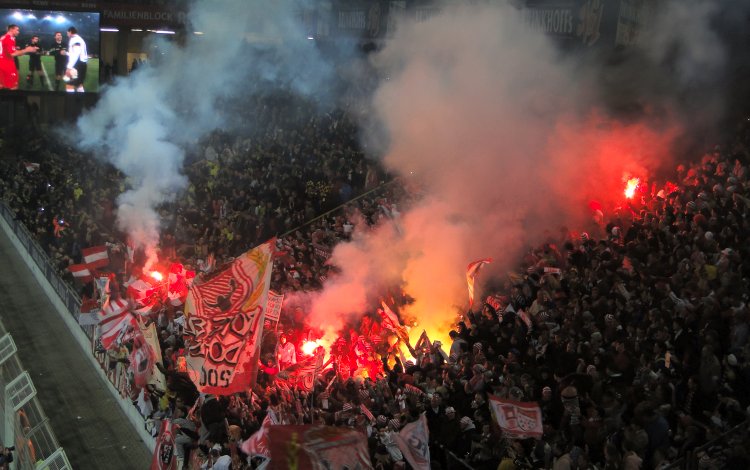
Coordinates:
8	71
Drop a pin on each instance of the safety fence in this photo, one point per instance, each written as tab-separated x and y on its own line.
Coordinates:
113	368
26	429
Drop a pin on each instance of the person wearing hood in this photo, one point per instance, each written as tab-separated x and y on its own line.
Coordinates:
465	438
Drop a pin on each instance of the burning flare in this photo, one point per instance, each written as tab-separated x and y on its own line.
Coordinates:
630	187
309	347
156	275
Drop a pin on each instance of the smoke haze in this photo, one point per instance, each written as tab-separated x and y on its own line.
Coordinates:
143	123
508	139
506	136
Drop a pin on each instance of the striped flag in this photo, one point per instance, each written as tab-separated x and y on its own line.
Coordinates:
412	390
366	411
114	318
96	256
81	273
471	272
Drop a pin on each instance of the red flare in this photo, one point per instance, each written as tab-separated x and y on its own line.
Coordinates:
631	186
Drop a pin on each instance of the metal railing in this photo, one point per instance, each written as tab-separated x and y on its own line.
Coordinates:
25	426
115	371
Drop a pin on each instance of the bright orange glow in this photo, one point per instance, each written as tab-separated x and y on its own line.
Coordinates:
631	186
309	347
157	275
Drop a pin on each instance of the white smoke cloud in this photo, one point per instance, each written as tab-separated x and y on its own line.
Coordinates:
143	123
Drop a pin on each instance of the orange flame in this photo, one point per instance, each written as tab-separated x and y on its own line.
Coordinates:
157	275
631	186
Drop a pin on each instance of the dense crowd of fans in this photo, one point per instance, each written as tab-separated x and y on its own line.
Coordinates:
636	351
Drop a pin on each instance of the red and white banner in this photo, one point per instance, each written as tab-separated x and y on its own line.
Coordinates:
140	291
517	419
96	256
179	280
414	442
114	319
165	457
257	444
89	313
314	447
471	272
273	307
81	273
142	361
497	302
224	323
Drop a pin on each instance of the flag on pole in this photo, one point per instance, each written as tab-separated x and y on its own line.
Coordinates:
391	322
423	341
273	307
96	256
413	442
164	451
81	273
471	272
224	323
30	166
518	420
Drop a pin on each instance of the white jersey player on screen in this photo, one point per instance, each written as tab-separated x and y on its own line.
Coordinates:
78	57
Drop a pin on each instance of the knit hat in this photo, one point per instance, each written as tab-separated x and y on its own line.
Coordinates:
467	423
382	420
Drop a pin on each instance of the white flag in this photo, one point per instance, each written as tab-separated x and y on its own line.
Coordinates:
413	441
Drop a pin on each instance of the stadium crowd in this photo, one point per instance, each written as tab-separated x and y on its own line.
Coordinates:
634	341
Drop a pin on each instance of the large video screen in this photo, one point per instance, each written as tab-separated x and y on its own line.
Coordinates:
49	56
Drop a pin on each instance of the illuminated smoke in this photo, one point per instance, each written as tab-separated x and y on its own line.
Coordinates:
508	141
